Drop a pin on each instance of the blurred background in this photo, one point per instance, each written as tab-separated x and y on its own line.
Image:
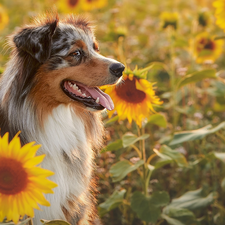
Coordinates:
181	43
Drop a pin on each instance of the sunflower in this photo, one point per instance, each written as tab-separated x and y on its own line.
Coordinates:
4	19
219	13
22	184
133	98
206	48
169	19
69	6
88	5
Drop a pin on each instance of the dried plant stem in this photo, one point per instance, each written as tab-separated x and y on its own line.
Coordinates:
30	221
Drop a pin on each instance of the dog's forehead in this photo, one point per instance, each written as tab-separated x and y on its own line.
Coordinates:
66	35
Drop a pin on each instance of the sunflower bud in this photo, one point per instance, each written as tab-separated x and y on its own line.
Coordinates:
169	19
204	18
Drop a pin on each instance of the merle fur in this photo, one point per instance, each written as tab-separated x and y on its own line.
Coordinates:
34	46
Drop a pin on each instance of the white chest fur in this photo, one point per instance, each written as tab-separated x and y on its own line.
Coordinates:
69	156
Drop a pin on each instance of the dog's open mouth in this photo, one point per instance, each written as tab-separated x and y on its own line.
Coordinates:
91	97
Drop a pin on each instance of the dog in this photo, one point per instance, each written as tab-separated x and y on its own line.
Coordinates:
50	92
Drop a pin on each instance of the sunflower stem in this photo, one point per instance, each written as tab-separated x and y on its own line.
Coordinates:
150	158
146	173
137	150
172	77
30	221
143	144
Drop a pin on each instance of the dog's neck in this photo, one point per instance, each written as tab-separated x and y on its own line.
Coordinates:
68	138
67	127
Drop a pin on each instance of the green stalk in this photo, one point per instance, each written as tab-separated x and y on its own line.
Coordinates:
172	77
146	172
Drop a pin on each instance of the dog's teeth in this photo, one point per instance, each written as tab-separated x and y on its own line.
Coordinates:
70	84
84	95
79	90
97	100
89	96
75	87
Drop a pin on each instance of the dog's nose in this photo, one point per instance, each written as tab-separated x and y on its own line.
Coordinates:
117	69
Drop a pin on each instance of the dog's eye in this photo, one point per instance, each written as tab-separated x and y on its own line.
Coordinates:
76	53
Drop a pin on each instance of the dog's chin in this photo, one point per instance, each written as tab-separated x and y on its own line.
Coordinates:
92	98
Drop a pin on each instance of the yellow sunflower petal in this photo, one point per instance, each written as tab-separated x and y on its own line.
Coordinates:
15	213
28	202
132	96
34	161
15	146
4	145
1	217
4	18
37	171
110	113
39	197
43	183
24	150
28	152
88	5
19	199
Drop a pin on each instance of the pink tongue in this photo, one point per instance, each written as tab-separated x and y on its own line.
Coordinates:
104	99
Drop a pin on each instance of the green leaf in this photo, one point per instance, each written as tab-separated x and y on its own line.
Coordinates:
130	139
191	200
168	155
183	136
220	156
154	65
162	162
55	222
112	202
144	208
179	216
171	221
116	145
111	120
205	53
142	73
174	155
158	119
181	43
159	198
197	76
122	168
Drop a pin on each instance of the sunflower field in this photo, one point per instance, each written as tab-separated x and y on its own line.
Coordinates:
163	161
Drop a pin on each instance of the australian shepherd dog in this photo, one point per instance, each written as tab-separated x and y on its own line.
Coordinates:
50	92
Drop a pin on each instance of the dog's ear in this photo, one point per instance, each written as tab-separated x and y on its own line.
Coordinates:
36	40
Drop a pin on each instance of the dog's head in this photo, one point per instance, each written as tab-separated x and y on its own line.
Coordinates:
70	69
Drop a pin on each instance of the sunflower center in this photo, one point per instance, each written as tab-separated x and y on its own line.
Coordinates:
13	177
207	44
73	3
129	93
